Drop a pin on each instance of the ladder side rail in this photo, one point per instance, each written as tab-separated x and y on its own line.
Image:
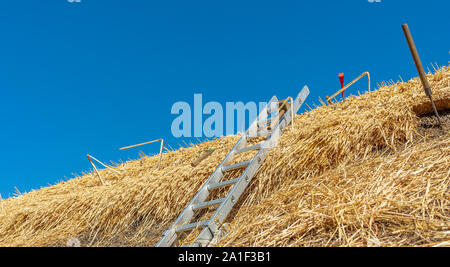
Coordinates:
186	215
253	129
208	233
217	174
236	191
170	235
222	212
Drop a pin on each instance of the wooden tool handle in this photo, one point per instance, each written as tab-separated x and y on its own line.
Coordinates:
201	158
415	55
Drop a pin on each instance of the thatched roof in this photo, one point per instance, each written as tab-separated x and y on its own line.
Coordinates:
357	173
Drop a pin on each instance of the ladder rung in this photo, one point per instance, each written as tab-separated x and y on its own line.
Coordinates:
265	122
267	127
222	184
187	227
235	166
210	229
257	146
207	204
261	133
258	134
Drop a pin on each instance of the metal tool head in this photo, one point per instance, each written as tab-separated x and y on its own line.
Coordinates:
341	79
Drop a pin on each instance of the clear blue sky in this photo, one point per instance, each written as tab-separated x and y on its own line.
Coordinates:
90	77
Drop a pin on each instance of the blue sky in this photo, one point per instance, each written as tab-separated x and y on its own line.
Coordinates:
90	77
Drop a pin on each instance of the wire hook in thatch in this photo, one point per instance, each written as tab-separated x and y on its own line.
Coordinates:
289	99
104	165
95	168
149	142
348	85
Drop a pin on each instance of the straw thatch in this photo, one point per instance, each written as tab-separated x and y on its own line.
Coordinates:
358	173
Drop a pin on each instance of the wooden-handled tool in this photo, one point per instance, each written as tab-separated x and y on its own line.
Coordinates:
141	144
206	154
418	63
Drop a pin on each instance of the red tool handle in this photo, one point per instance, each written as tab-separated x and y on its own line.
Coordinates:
341	79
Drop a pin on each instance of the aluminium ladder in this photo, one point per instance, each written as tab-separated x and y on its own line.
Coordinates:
211	228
